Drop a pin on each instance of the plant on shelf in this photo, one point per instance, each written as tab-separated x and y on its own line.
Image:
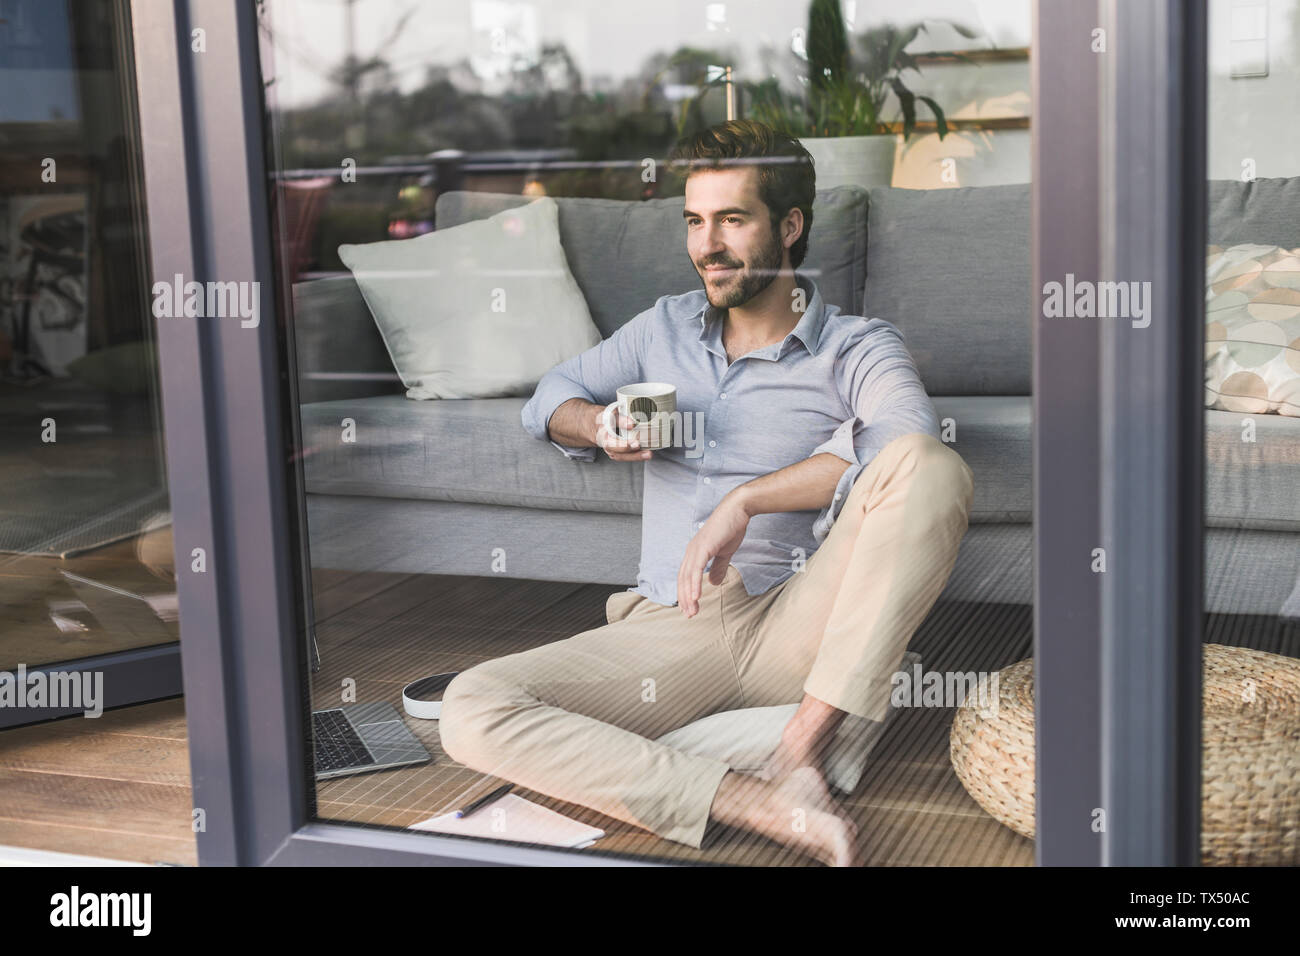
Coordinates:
839	113
846	94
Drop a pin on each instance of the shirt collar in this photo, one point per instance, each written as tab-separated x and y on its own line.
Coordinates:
808	331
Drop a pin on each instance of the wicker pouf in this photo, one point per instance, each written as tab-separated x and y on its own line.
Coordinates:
1250	772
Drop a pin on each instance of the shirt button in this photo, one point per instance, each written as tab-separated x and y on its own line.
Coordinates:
838	496
699	524
713	444
723	395
706	481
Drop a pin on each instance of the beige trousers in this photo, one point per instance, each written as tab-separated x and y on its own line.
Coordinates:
577	719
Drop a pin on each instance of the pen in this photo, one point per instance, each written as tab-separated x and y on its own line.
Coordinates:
481	801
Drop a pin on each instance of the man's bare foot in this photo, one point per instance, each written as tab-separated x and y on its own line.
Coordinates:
796	810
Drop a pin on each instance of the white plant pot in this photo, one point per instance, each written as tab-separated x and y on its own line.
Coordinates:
859	160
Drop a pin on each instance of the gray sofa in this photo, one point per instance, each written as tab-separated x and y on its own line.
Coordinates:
440	486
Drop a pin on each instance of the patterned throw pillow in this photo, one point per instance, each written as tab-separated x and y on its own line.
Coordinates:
1252	329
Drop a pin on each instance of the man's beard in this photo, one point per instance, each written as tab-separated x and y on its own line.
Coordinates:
750	282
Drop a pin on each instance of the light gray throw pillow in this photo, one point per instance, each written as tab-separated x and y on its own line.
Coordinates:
480	310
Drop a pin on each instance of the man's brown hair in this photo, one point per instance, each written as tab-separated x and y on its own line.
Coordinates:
786	175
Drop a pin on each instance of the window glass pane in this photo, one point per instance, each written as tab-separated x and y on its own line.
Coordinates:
1252	433
468	196
85	521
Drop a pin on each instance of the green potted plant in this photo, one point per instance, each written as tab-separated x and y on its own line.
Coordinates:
839	116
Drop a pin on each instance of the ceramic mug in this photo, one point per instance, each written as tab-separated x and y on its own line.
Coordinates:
652	405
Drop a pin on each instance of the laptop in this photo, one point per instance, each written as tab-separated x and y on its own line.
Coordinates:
359	738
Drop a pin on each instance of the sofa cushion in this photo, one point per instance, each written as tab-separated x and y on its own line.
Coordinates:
340	351
991	433
449	450
1252	483
1265	211
625	255
951	269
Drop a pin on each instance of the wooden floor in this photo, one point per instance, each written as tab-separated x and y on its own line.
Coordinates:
118	786
384	630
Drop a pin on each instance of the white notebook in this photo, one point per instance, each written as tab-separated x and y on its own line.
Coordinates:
511	817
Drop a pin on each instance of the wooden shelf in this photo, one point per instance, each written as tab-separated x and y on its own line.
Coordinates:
954	125
941	57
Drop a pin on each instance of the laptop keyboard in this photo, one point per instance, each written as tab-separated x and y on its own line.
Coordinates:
337	745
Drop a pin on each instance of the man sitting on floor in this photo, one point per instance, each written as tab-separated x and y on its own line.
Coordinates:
789	562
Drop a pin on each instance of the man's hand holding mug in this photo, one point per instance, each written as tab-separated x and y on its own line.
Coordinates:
618	448
639	420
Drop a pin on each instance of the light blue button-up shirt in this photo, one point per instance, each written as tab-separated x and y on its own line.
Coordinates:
838	384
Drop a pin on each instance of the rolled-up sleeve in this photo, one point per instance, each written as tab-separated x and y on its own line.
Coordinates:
594	376
880	383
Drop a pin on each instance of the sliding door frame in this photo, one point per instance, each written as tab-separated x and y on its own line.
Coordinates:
1153	422
1066	443
1119	184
